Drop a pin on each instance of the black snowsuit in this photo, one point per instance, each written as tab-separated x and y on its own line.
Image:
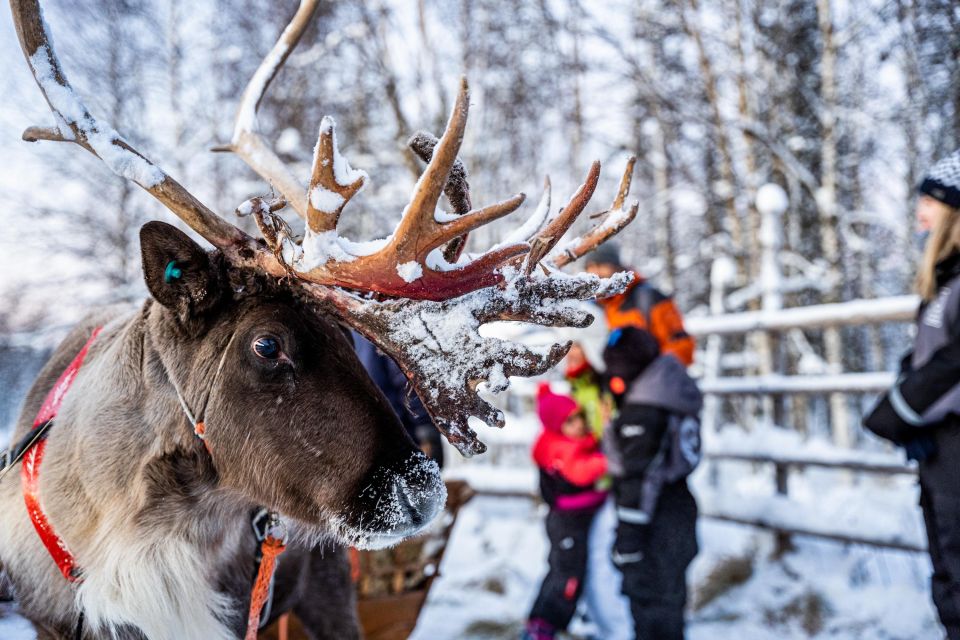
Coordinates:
567	531
922	414
652	446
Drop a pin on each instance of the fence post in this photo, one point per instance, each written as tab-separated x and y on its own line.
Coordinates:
772	203
782	542
722	271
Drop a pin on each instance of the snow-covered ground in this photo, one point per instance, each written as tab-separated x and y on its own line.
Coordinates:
13	627
738	589
821	590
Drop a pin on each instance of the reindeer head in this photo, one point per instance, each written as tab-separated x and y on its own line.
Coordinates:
299	426
291	419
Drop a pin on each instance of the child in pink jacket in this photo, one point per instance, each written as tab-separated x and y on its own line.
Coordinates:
570	463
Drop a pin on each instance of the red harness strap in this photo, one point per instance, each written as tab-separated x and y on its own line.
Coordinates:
270	548
30	470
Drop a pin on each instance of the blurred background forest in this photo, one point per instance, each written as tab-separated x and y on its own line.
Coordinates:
843	104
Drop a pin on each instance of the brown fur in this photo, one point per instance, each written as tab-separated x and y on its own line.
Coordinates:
309	436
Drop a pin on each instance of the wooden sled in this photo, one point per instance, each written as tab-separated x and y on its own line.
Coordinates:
392	584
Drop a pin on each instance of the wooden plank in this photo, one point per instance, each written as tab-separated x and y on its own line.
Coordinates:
871	382
880	543
854	312
391	617
876	466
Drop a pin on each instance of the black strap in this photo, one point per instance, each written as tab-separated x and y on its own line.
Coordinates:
78	635
13	454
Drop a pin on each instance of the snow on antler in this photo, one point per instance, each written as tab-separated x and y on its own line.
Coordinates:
446	358
612	221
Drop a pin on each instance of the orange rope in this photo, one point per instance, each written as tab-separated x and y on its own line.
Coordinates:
354	564
270	548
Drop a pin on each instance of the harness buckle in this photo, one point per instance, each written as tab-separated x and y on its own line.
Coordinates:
268	523
16	450
276	528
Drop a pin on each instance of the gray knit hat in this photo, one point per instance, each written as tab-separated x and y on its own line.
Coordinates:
607	253
942	182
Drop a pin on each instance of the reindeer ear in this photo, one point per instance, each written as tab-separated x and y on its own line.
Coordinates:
177	270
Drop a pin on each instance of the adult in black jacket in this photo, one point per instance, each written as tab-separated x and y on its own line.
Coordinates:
922	410
652	445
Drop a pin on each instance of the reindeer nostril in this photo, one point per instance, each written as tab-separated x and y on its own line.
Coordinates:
421	489
400	500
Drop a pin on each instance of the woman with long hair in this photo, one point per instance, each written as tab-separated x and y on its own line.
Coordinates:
921	412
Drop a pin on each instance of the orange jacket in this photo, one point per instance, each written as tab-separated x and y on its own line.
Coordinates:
645	307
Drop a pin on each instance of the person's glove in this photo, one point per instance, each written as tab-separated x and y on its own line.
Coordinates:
885	422
920	448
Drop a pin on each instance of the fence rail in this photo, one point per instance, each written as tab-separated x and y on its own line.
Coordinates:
791	519
855	312
801	462
785	518
786	528
774	383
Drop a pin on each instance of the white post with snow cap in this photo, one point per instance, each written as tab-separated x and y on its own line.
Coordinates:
772	204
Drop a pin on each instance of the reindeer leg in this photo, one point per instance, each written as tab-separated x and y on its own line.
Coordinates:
328	603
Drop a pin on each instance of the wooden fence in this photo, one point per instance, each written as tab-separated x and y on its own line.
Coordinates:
714	386
784	521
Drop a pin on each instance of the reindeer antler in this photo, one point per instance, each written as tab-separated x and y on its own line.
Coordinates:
246	142
404	264
75	124
610	223
435	303
439	348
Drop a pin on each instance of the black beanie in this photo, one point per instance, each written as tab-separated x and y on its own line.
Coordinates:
629	351
607	253
942	182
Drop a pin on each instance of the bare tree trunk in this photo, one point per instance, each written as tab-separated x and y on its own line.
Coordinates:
576	139
827	207
723	145
375	26
661	206
175	46
750	182
913	117
757	261
431	54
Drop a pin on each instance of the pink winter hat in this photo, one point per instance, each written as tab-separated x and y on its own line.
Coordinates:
554	408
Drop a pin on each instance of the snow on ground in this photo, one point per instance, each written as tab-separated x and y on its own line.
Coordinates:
498	551
12	626
820	589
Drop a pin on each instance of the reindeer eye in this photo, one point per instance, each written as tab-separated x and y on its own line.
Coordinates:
267	348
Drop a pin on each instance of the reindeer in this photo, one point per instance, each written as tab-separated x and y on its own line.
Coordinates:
235	387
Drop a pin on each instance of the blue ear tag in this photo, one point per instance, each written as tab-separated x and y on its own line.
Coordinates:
172	272
614	337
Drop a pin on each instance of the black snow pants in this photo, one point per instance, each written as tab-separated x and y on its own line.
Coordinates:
940	501
557	601
653	558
